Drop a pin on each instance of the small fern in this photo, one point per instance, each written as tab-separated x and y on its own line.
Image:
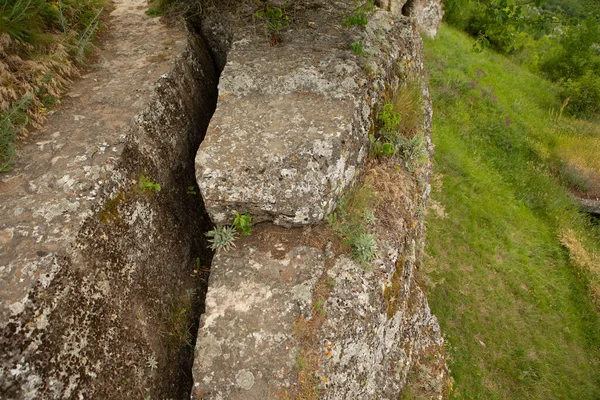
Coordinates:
222	237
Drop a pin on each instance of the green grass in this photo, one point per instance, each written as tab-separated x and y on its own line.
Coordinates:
517	314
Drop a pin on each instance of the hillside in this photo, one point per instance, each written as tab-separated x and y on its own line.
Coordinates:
512	266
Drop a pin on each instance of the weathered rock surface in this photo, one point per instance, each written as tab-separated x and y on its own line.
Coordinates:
427	13
289	131
291	126
91	260
288	313
589	206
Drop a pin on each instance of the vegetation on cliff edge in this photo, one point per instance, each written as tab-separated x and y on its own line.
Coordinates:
512	267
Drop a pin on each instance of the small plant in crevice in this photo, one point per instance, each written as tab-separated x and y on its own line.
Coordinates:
380	148
359	17
320	308
358	48
389	118
179	321
152	363
147	185
351	221
275	19
222	237
243	223
364	247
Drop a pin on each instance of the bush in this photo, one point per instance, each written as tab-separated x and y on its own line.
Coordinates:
583	95
575	55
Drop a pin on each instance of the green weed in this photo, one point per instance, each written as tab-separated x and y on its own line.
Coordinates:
243	223
357	48
359	17
146	184
351	221
179	321
320	308
390	119
398	129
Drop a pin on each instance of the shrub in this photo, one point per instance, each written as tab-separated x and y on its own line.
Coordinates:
583	95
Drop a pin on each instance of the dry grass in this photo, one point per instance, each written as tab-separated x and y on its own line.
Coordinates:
43	76
408	102
391	184
586	262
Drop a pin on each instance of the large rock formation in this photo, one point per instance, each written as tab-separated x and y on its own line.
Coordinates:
102	247
289	314
94	259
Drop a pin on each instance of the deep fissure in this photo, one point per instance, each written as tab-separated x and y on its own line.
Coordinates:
407	8
200	255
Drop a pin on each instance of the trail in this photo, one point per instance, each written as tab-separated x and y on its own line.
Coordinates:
60	169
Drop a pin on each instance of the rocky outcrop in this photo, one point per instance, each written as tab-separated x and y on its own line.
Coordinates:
101	229
103	257
288	133
427	13
589	206
290	129
289	313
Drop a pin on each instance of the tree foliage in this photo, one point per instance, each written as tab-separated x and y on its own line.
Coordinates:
559	39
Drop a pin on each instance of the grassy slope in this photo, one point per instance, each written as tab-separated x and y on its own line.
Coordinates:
518	318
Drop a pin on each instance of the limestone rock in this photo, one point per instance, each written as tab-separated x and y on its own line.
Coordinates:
289	314
90	262
589	206
427	13
287	137
290	131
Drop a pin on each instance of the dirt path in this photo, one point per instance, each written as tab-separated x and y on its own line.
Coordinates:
58	173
